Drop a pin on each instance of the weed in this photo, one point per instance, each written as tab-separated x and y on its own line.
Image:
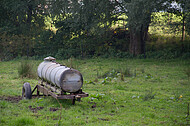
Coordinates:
148	76
96	80
90	82
97	74
187	72
106	80
97	96
134	96
122	77
71	62
3	104
2	121
187	109
126	71
25	69
184	82
149	95
177	96
119	87
135	73
113	73
142	70
24	121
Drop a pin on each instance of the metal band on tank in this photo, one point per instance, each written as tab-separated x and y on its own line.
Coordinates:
45	70
48	69
42	70
51	71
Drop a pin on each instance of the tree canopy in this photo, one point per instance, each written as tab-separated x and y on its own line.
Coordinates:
84	27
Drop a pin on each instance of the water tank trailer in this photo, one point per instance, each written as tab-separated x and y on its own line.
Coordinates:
56	80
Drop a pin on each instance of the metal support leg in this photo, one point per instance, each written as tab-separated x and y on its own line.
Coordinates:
38	92
73	101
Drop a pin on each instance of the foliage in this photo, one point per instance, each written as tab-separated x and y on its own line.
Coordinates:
15	46
80	26
138	25
144	9
165	23
83	17
44	44
21	22
86	29
20	17
167	47
97	96
111	43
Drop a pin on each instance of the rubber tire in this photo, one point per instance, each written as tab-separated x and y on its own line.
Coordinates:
26	91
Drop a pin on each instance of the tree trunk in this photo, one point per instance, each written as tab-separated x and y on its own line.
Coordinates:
29	15
183	29
137	41
144	36
183	33
29	19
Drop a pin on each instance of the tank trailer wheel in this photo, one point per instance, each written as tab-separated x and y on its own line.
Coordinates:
26	91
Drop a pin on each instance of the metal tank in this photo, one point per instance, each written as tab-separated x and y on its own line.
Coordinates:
68	79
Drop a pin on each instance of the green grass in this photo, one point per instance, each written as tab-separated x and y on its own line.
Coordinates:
156	93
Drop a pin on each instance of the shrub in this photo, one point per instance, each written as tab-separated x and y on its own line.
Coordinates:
25	69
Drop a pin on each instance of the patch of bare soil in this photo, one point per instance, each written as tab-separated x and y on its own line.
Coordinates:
103	119
53	109
13	99
94	104
35	109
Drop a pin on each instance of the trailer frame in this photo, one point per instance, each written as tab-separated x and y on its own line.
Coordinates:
48	89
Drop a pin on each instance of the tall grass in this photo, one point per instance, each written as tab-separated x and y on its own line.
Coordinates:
25	69
24	121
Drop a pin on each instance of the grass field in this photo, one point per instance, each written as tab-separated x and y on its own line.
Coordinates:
121	92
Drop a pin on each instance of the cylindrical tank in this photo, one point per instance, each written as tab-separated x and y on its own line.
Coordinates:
68	79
